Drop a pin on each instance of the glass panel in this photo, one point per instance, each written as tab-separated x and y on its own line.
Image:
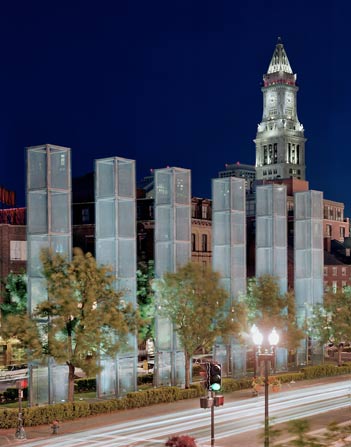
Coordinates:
105	185
60	213
164	368
59	382
180	369
238	194
60	170
106	252
183	253
126	258
107	378
182	223
221	194
37	168
39	385
126	218
164	256
126	379
164	333
35	246
182	180
105	218
126	183
37	290
162	187
221	228
264	232
164	224
37	212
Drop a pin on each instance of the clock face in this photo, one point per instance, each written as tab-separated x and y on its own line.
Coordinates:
272	99
289	99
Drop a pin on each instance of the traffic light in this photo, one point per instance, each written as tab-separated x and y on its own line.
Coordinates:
214	377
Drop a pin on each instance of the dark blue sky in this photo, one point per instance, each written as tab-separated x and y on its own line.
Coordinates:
170	83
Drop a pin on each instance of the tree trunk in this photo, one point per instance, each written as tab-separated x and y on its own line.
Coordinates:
187	370
340	348
71	369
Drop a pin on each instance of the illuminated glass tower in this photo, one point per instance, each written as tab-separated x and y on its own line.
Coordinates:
48	226
172	250
309	260
116	246
229	258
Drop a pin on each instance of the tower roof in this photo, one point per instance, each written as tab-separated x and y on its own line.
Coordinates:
279	61
279	70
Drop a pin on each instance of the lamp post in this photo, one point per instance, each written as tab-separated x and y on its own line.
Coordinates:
265	355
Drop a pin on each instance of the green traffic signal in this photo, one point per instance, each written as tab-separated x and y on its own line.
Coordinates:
215	378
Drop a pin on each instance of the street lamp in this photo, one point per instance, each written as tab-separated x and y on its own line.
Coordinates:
266	355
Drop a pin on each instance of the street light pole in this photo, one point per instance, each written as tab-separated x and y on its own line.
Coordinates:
267	356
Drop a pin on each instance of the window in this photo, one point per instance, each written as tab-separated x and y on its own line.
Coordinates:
193	210
342	231
193	242
335	271
343	271
18	250
328	229
85	215
204	212
204	242
335	286
325	271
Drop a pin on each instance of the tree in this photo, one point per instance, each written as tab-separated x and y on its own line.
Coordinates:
332	322
268	308
13	311
83	316
146	303
193	300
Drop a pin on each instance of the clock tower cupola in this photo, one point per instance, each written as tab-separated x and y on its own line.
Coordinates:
280	141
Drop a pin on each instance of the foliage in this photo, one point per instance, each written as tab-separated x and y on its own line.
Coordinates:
15	323
81	385
181	441
332	323
84	316
15	299
300	428
194	301
146	303
268	308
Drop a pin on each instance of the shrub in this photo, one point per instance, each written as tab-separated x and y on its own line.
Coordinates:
146	378
181	441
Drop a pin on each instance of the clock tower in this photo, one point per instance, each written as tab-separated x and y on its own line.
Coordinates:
280	141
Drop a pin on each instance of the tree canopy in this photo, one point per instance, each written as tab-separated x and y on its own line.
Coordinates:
268	308
331	323
197	305
146	303
83	316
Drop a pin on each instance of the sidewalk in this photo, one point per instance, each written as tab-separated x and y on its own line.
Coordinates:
7	437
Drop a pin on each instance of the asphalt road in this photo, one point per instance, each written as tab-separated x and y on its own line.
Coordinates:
238	423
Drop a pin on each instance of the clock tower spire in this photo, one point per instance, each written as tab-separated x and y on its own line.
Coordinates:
280	141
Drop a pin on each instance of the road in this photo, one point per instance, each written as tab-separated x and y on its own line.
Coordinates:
233	421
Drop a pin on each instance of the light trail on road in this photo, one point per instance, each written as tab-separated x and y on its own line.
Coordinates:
232	419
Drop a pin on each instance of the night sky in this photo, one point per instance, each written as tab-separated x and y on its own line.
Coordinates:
170	83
